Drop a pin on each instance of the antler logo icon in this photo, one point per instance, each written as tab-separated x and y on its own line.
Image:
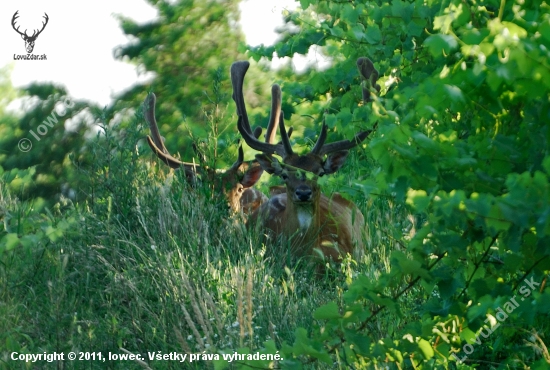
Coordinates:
29	40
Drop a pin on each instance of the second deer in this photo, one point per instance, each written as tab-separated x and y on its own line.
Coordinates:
234	183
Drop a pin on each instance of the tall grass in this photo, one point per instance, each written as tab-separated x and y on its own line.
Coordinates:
149	264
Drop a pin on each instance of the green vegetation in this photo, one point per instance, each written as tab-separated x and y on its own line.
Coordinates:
454	186
150	266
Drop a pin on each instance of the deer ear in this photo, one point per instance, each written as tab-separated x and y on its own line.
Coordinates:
252	175
269	164
23	37
334	161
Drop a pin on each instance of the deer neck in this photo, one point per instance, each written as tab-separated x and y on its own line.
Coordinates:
303	222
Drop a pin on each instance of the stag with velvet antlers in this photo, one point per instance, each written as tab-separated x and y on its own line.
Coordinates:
234	183
315	224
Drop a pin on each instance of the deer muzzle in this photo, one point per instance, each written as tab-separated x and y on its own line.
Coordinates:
303	193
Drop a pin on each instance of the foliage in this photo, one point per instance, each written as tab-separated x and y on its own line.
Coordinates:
8	91
146	264
462	140
453	185
188	50
50	132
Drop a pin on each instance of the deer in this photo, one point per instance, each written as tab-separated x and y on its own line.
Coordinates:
29	40
236	182
316	225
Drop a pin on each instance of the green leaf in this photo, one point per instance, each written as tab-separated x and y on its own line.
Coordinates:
546	164
220	364
337	32
415	29
426	349
373	34
408	266
349	14
496	220
403	10
443	23
441	44
515	30
303	346
544	29
474	36
345	116
53	233
398	8
304	4
9	242
423	141
330	120
418	199
329	311
461	15
454	93
360	341
30	240
448	286
357	31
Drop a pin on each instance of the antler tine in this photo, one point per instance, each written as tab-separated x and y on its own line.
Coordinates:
276	101
256	144
240	157
167	158
239	161
257	132
346	144
156	143
370	75
238	71
149	113
321	140
290	131
285	140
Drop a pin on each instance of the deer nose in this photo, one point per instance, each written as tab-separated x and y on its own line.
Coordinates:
303	194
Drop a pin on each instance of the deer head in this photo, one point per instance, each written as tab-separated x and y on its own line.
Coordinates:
299	172
235	183
304	210
29	40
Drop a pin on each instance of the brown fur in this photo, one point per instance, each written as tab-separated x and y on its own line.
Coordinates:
335	230
335	227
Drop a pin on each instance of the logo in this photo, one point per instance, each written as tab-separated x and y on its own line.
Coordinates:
29	40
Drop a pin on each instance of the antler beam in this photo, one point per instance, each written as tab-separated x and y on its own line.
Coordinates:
156	143
238	72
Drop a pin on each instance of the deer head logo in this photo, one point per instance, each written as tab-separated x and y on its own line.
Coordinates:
29	40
